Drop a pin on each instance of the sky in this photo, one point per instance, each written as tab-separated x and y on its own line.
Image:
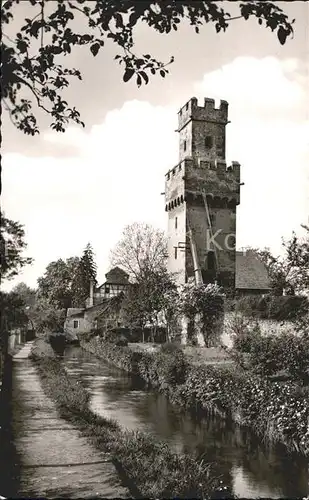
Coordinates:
87	184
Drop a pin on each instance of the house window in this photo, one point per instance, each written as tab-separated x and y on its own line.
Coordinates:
107	289
176	252
208	142
211	262
176	222
75	323
184	145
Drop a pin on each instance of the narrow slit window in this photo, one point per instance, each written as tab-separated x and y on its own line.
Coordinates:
211	263
176	252
176	222
185	145
208	142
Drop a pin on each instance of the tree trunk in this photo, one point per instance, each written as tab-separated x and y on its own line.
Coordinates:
154	332
167	333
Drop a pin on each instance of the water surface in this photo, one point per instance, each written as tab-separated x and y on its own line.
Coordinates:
244	464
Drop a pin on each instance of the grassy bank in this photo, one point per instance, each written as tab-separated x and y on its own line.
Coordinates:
278	412
151	468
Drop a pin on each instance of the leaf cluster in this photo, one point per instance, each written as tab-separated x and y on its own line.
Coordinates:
12	246
13	313
268	355
32	73
56	285
153	297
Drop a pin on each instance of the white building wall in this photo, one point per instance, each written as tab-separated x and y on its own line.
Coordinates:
177	238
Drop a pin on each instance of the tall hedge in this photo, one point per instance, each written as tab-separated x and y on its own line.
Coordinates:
280	308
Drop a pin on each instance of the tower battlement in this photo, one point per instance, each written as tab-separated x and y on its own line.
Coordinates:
192	111
201	195
177	173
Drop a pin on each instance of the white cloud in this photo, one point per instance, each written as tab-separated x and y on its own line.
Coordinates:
254	85
119	173
268	135
116	180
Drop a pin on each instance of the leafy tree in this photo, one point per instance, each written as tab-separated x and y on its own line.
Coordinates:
27	294
46	317
297	261
86	272
12	311
204	305
160	298
31	59
169	308
290	274
13	316
142	249
134	311
151	300
43	316
56	286
12	246
297	258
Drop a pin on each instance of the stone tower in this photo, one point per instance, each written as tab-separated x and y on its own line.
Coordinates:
201	196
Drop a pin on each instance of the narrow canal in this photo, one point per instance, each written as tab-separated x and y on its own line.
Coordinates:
244	464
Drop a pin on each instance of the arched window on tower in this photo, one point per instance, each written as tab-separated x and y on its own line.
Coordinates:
211	261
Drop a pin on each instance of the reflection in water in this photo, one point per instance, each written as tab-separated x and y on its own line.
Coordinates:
244	464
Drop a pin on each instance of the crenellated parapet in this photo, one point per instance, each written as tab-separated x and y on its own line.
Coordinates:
174	184
191	178
192	111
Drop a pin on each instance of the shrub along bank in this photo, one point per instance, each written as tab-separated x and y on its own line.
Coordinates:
279	308
268	355
276	411
151	469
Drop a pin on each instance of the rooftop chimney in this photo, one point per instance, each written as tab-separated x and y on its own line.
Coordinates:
91	294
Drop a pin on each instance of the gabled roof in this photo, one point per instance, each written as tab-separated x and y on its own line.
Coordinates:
105	305
75	312
116	276
251	273
117	270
